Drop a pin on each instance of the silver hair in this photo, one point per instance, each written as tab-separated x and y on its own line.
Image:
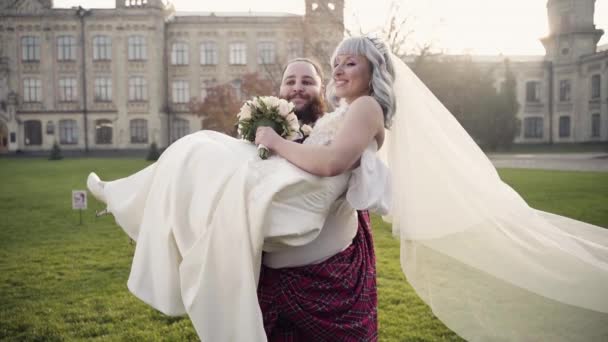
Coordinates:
383	74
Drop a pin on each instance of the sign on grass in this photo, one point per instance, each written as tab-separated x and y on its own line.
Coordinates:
79	199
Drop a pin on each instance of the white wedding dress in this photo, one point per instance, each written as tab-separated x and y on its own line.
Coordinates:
205	211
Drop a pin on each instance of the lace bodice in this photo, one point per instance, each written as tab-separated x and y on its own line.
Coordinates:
326	127
369	184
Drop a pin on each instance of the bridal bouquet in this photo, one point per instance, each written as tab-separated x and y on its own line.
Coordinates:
267	111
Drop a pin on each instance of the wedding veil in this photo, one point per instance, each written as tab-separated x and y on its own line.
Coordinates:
489	266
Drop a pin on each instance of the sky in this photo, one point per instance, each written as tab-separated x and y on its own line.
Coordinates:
485	27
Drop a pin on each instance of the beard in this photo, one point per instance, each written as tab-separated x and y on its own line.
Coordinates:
312	111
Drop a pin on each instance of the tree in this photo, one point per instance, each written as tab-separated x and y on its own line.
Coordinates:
255	85
56	152
153	152
467	90
223	102
505	117
396	32
218	109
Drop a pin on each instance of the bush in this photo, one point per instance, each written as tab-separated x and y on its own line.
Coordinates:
153	152
55	152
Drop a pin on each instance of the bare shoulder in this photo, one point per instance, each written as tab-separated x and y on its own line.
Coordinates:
367	108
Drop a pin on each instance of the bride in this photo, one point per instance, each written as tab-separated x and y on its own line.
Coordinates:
489	266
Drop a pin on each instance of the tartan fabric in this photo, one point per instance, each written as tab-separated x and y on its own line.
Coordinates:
335	300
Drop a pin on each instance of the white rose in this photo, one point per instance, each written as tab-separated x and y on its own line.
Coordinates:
285	107
291	118
271	101
245	112
306	130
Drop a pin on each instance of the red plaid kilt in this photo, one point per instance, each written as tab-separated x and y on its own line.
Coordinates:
335	300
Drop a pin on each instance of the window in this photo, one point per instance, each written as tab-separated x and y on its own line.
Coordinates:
533	127
564	126
294	50
67	89
32	90
266	53
236	87
518	127
179	54
33	132
564	90
138	90
595	125
208	53
180	128
205	86
68	132
66	48
180	92
102	48
533	91
596	85
103	89
30	49
139	131
137	48
238	53
103	132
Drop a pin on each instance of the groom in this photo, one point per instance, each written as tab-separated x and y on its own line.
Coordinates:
326	290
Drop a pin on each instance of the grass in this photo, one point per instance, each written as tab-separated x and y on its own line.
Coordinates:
63	281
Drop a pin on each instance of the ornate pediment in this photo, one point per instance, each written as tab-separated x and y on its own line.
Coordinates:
26	6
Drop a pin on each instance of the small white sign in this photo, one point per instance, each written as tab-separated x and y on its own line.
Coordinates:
79	199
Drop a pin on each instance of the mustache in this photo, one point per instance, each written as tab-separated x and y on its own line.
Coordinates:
300	95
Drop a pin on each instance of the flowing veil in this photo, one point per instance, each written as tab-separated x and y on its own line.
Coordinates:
489	266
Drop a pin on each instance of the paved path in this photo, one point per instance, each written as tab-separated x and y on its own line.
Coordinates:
553	161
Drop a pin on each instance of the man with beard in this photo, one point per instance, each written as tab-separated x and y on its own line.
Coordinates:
325	290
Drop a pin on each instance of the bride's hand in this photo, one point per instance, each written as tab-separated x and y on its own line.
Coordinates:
267	136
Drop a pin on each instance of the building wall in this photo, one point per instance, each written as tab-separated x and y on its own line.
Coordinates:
161	28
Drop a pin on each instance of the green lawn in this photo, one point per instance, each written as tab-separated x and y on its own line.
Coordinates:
63	281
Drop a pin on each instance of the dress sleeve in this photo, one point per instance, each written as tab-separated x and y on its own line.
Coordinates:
369	187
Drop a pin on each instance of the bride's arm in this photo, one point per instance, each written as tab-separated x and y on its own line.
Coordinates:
364	121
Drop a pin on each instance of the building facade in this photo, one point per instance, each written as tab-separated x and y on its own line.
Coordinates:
142	63
563	96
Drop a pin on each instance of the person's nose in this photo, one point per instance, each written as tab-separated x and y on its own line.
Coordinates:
298	87
337	71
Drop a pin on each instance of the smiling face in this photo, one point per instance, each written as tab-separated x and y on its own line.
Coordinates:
352	74
301	85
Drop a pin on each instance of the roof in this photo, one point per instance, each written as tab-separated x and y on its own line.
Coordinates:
235	14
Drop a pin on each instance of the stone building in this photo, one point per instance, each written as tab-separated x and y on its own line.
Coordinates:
141	65
563	95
